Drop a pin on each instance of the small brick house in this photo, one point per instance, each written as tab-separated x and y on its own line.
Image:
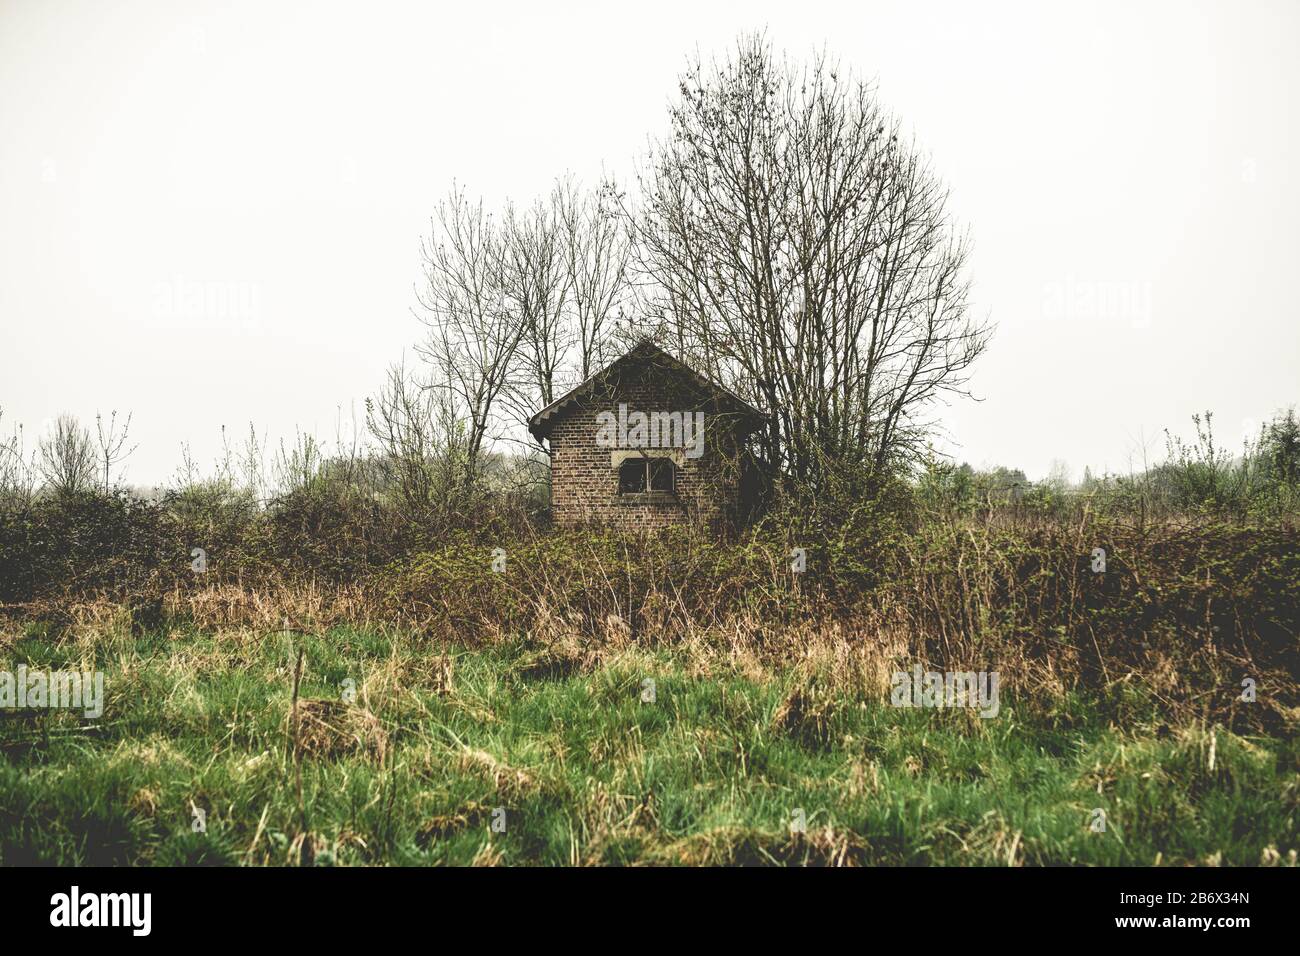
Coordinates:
648	442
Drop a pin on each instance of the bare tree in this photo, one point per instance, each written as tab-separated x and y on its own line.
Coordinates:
473	335
564	271
111	443
803	255
536	289
597	258
67	458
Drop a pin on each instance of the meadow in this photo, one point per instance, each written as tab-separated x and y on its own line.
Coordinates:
336	685
510	755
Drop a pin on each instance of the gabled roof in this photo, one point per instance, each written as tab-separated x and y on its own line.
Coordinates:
644	351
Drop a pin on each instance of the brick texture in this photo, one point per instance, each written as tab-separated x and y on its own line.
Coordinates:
584	482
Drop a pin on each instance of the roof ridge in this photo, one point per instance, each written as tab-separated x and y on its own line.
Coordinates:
536	422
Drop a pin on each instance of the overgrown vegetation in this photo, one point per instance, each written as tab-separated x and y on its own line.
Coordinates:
481	686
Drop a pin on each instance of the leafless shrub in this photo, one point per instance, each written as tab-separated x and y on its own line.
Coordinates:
67	457
299	466
112	443
423	452
17	482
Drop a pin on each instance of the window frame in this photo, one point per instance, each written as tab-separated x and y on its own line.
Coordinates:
647	465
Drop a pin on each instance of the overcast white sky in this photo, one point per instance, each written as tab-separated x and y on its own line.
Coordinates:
210	213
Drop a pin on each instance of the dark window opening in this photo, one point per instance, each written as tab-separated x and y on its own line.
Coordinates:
661	474
646	474
631	476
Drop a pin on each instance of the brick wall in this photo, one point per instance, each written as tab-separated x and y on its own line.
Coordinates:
584	482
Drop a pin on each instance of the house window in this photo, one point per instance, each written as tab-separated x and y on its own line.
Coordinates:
661	474
646	474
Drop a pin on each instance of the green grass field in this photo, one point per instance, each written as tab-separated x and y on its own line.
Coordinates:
519	753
